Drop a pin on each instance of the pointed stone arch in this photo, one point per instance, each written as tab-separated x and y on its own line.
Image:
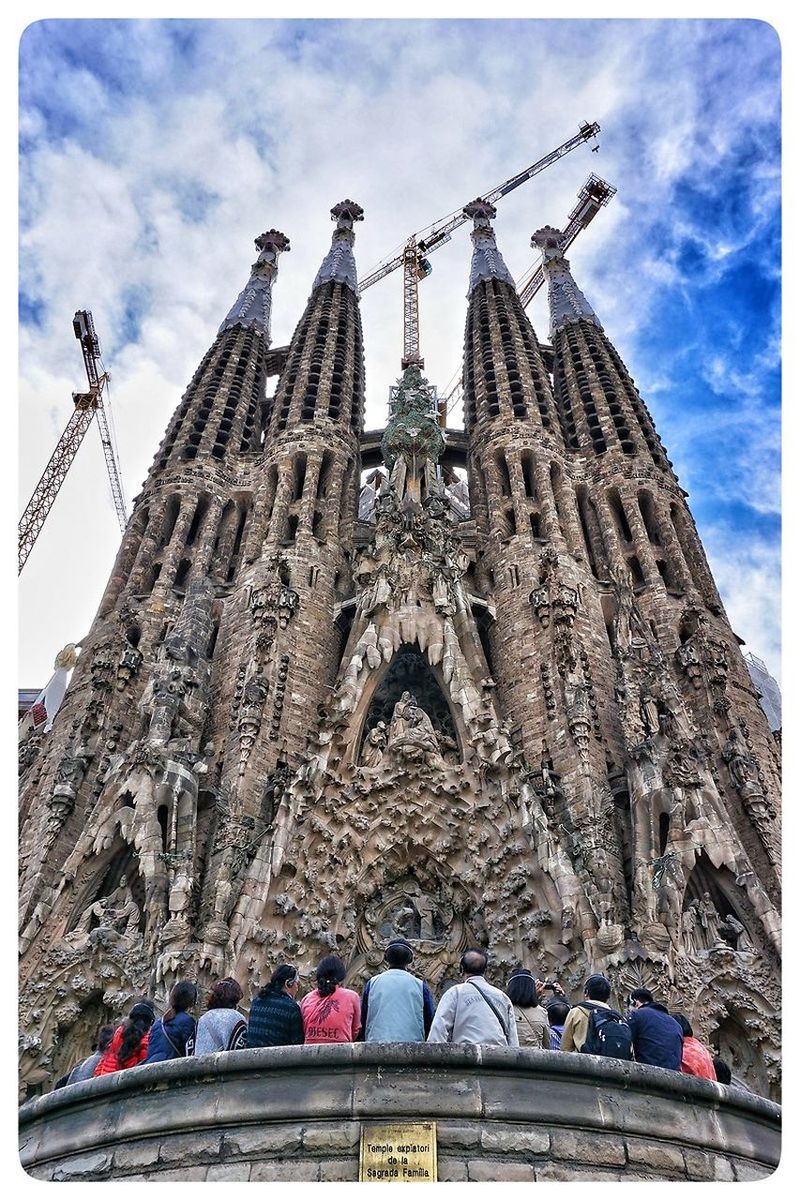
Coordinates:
409	669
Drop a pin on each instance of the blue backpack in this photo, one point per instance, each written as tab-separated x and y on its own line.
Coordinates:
608	1035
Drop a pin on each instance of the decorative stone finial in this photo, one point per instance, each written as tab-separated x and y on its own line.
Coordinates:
347	211
253	307
272	239
550	241
487	261
568	305
339	264
480	210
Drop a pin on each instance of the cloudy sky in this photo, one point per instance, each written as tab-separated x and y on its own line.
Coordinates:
153	152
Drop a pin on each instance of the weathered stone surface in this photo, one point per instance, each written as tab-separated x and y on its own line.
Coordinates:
455	1135
84	1166
287	1171
261	1140
338	1168
228	1172
485	1170
452	1170
660	1157
184	1147
331	1137
605	1150
136	1154
516	1140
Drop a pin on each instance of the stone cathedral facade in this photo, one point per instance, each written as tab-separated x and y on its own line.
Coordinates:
470	687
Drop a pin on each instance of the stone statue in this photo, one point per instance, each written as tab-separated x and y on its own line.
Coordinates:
741	765
374	745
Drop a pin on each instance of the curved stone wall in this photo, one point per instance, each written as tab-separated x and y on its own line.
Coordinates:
294	1113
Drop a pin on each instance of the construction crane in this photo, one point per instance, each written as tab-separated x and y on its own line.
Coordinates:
414	256
87	405
594	195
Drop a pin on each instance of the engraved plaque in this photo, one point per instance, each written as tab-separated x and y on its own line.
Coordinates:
398	1153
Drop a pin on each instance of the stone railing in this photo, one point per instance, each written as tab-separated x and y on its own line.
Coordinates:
295	1113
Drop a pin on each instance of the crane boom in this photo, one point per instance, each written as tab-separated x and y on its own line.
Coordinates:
594	195
436	235
414	256
48	487
87	405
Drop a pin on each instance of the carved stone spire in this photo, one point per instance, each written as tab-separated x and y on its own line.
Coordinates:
339	263
487	261
253	307
567	302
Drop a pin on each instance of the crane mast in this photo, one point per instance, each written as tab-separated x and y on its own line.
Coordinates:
87	405
413	257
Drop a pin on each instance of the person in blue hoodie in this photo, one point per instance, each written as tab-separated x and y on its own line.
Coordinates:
396	1006
657	1037
172	1036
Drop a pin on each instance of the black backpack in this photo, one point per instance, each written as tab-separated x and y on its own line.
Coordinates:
608	1035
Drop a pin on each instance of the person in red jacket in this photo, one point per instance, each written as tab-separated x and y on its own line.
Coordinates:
696	1059
129	1044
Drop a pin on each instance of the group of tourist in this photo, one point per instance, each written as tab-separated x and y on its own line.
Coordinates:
398	1006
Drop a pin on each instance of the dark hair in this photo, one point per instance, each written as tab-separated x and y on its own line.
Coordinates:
330	973
104	1035
722	1070
280	976
398	953
134	1028
521	989
182	996
597	987
225	993
643	995
557	1012
473	961
686	1028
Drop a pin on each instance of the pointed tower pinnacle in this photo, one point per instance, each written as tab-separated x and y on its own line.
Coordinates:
253	307
487	261
339	264
568	304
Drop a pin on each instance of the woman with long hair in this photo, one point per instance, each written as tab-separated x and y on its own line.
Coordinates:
331	1013
533	1026
129	1044
222	1027
172	1036
275	1017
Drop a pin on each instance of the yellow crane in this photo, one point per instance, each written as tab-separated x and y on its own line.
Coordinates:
413	258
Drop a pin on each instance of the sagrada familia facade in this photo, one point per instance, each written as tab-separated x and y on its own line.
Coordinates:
472	687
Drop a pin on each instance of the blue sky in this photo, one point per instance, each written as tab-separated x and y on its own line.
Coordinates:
153	152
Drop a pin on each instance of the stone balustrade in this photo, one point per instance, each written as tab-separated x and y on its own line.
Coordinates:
295	1113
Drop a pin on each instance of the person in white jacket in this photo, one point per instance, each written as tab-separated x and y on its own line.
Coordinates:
474	1011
